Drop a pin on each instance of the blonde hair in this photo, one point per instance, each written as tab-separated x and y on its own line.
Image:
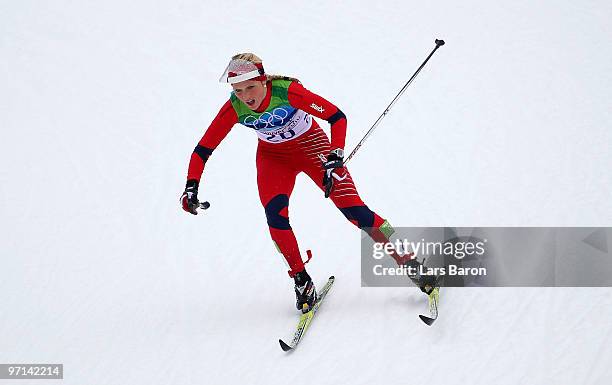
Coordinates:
248	56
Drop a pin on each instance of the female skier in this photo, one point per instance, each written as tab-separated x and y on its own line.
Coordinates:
290	141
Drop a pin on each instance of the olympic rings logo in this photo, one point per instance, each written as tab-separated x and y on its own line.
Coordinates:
267	120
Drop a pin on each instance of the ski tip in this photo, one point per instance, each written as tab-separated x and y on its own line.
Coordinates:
332	277
284	346
428	321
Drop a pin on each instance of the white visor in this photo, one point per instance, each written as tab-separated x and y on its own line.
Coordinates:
239	70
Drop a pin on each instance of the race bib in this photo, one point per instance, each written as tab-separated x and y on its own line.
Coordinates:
280	124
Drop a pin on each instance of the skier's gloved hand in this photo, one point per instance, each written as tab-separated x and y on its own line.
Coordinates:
189	199
335	160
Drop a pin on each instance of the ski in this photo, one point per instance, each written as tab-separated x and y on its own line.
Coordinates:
433	298
306	318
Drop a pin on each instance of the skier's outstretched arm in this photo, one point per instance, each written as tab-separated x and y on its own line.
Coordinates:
215	133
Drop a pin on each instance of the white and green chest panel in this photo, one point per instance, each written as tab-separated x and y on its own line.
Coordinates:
280	122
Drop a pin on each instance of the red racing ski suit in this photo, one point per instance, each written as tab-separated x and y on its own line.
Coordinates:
278	164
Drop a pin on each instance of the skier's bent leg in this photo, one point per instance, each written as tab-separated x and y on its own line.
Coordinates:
347	199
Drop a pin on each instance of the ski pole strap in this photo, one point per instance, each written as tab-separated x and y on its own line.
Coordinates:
439	43
309	254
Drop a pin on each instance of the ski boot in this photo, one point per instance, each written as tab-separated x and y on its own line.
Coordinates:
427	283
305	293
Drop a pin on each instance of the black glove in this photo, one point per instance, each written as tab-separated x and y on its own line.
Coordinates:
189	199
335	160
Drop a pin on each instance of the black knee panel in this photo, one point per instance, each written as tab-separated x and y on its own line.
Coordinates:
362	214
273	209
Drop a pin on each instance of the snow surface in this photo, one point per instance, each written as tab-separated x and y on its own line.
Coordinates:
102	102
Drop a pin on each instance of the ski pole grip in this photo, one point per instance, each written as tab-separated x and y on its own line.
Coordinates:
204	205
439	42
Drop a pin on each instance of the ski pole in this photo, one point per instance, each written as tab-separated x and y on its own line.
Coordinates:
439	43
